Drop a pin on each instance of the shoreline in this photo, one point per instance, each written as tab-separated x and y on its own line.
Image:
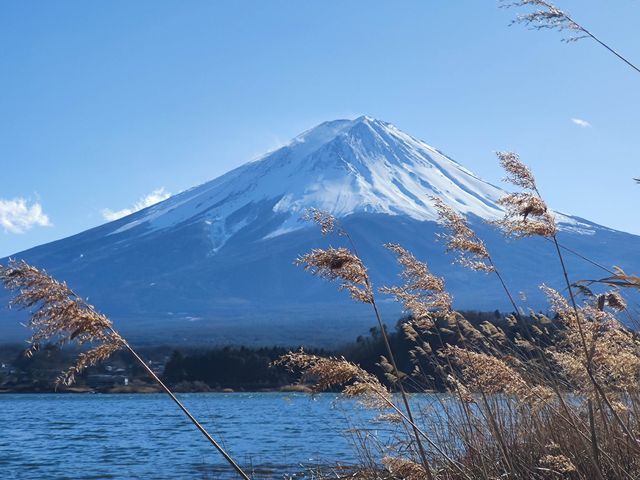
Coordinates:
149	389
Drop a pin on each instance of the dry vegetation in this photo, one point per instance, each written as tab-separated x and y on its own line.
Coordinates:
517	408
60	317
544	15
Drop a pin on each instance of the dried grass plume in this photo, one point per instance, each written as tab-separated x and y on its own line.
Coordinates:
547	16
339	264
423	293
526	213
327	222
329	372
60	316
460	238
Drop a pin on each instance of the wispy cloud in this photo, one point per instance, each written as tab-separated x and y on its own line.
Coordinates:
581	123
158	195
18	216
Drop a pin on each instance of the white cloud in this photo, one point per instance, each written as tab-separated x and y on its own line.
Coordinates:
581	123
17	216
158	195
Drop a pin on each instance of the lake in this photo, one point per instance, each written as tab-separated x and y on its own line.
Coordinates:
94	436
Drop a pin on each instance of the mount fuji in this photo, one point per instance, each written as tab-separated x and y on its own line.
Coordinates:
214	264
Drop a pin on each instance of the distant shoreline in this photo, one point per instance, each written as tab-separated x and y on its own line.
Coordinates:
148	389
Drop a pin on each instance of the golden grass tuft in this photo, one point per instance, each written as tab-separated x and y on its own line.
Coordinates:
339	264
60	316
329	372
526	213
423	294
460	238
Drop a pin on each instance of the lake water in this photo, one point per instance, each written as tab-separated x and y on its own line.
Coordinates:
272	435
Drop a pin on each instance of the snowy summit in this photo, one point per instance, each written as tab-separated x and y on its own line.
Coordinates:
342	167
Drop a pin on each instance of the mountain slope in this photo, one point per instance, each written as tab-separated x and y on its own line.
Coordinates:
344	167
214	263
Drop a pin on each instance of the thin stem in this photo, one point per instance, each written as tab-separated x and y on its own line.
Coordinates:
603	44
576	26
586	259
197	424
422	433
504	287
396	371
594	437
493	425
403	393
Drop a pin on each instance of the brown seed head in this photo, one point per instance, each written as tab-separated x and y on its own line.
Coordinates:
324	220
546	16
491	375
612	350
329	372
615	301
404	468
423	294
472	252
526	213
517	172
59	316
558	463
339	264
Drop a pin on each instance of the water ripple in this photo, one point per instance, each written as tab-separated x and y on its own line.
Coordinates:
121	437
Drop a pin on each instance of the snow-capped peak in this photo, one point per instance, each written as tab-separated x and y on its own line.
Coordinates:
341	166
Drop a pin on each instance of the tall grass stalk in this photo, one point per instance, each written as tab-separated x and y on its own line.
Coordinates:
191	418
348	267
549	16
60	316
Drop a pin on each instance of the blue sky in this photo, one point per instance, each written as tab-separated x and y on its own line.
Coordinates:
104	103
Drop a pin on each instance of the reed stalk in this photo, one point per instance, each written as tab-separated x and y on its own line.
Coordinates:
549	16
61	317
348	267
184	409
